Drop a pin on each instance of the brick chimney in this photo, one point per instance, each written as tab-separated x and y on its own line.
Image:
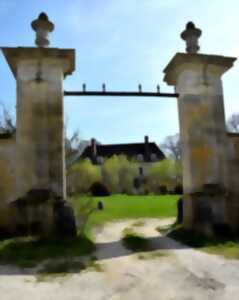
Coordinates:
146	148
93	150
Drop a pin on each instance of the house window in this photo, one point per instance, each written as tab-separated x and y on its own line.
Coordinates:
140	158
153	157
141	171
100	160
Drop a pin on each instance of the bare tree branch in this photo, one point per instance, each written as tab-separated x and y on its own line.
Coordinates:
233	123
172	146
7	123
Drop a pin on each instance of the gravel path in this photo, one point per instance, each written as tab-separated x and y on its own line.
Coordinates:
170	272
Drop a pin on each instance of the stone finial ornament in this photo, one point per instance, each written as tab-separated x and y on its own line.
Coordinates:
42	26
191	35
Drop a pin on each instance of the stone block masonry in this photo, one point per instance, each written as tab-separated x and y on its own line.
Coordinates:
40	148
197	79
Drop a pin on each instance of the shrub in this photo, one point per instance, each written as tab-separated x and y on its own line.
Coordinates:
84	208
163	190
135	242
81	176
118	174
99	189
137	182
7	220
180	211
178	190
163	173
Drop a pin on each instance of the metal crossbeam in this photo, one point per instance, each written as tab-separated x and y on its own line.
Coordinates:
120	94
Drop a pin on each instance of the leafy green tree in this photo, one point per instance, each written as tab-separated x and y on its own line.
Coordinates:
118	174
81	176
163	173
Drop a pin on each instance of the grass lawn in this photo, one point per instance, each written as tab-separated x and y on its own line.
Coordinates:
228	249
28	252
134	241
128	207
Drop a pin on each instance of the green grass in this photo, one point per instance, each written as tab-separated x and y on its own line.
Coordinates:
152	255
56	269
228	249
60	268
134	241
164	229
220	246
139	223
28	252
129	207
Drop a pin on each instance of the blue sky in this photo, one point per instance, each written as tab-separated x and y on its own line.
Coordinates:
122	43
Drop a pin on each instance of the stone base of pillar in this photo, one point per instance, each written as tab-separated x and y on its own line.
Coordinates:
65	224
204	212
232	211
41	213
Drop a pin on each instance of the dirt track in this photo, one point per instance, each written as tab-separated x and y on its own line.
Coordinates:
170	272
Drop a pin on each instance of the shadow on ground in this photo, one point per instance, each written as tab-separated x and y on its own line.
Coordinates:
26	257
116	249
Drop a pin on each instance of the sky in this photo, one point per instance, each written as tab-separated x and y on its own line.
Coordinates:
122	43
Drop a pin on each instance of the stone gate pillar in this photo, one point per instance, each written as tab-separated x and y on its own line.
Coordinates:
40	146
197	79
39	73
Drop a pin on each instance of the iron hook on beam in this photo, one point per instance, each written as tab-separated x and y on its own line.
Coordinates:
103	88
84	87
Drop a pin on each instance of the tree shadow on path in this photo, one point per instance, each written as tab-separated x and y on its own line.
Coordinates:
102	251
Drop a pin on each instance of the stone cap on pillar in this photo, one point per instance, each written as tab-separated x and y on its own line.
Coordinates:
42	26
15	55
181	61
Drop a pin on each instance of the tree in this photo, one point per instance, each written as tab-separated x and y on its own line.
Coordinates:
7	123
85	208
118	174
81	176
172	147
233	123
163	173
72	143
72	139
